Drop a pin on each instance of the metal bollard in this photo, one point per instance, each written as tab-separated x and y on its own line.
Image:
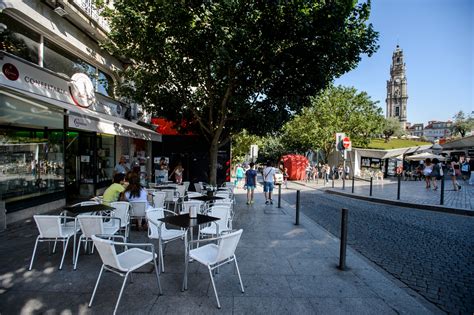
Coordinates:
441	201
297	208
279	196
344	181
342	251
353	180
398	187
371	181
332	180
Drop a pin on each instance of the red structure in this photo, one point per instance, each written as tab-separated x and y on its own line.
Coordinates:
296	166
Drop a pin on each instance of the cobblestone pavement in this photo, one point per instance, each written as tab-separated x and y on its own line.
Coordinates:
410	191
431	252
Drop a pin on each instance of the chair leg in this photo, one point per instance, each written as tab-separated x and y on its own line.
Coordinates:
96	285
77	253
160	249
238	273
121	291
34	253
64	253
54	246
157	271
214	287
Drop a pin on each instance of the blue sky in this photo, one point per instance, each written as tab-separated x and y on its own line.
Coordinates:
437	39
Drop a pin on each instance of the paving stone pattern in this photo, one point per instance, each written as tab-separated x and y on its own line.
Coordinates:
431	252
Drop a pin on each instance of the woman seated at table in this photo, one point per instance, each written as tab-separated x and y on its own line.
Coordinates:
135	192
113	193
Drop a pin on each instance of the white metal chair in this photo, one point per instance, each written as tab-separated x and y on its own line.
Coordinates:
215	255
53	228
181	191
171	199
229	203
191	194
86	203
222	225
138	210
159	199
186	186
186	205
157	230
94	225
122	211
124	263
198	187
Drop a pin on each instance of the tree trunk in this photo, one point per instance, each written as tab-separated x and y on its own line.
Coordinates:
213	150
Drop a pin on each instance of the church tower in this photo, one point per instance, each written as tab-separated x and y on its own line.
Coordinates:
397	89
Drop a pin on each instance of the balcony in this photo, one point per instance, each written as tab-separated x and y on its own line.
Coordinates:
88	7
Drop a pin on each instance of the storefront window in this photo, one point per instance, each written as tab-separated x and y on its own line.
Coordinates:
18	40
105	159
31	163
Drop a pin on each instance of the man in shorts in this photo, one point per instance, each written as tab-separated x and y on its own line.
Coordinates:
268	181
250	182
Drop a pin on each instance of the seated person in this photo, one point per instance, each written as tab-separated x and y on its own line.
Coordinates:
114	191
135	192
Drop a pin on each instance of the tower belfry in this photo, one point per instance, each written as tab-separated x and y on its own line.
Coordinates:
397	89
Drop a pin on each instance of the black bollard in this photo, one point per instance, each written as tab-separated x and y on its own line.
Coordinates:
297	208
279	196
344	181
332	180
398	187
371	181
441	199
353	180
342	251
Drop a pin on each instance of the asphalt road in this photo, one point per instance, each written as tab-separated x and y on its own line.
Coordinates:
432	253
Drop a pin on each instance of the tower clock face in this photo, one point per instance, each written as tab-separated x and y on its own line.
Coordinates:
397	80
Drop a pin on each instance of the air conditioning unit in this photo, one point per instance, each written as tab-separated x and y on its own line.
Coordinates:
59	9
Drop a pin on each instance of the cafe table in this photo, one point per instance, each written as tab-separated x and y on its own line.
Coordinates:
187	223
207	198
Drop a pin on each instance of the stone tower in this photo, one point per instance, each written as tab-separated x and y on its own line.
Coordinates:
397	89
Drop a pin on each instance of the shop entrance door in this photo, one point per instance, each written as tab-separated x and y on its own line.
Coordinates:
80	166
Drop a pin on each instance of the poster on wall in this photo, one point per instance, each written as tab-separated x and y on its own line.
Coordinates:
161	168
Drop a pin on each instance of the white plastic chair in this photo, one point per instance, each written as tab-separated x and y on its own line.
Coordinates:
157	230
159	199
53	228
94	225
170	198
122	211
222	225
191	194
181	191
86	203
124	263
215	255
138	210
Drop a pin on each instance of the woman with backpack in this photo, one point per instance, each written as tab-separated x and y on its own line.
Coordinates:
437	173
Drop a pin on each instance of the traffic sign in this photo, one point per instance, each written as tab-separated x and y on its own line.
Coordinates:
346	143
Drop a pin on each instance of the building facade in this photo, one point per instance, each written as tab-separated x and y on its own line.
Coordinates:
436	130
415	130
62	128
397	96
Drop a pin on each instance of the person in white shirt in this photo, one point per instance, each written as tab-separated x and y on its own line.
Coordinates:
268	182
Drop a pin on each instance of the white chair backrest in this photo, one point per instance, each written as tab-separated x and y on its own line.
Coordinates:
181	190
223	213
224	202
186	185
107	252
91	224
159	199
191	203
138	208
121	211
49	226
154	215
169	194
227	245
198	187
86	203
193	194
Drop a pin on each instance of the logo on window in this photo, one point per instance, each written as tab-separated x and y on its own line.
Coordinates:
11	72
82	90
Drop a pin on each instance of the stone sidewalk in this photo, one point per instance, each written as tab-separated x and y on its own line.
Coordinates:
411	192
286	269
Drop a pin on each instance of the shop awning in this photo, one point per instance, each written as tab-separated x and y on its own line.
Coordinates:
85	119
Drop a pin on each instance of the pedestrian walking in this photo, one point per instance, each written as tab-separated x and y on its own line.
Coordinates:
250	182
427	172
454	172
465	170
239	175
437	173
268	182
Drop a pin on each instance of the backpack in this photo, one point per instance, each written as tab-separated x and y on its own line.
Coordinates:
465	167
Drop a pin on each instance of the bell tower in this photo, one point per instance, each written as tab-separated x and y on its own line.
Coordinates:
397	89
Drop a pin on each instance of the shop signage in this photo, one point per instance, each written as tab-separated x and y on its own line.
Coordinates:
82	90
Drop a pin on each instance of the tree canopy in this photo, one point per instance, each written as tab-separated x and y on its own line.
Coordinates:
462	123
228	65
337	109
392	127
